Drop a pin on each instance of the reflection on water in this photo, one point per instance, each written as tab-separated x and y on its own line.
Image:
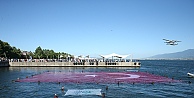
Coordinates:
72	69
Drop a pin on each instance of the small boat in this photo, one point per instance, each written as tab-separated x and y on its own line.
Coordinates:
190	74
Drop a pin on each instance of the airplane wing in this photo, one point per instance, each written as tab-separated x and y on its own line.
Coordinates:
172	44
177	41
166	39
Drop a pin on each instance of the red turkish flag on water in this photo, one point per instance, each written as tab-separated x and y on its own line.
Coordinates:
97	77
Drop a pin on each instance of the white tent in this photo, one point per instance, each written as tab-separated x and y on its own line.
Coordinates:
114	55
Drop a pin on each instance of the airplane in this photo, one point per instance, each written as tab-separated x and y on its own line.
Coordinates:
171	42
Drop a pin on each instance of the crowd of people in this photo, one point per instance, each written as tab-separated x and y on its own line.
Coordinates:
52	60
65	60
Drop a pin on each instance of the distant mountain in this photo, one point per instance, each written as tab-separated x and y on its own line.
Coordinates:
187	54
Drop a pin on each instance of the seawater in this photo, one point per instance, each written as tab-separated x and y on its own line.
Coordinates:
176	69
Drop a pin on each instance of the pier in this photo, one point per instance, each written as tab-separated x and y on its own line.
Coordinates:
111	60
74	64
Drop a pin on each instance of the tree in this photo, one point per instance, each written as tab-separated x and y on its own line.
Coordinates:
38	54
6	50
31	54
16	53
10	52
51	54
1	48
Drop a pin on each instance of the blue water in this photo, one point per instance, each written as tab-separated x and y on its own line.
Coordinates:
168	68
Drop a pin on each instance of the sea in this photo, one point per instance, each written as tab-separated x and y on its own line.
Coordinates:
174	69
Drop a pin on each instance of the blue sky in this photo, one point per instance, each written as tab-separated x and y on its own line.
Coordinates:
82	27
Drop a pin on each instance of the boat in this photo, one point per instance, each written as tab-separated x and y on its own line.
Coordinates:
190	74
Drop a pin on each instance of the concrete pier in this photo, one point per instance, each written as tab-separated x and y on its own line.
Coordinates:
74	64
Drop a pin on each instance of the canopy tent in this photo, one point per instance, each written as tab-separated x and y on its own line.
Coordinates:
114	55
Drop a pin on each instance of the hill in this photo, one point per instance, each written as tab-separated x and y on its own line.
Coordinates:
187	54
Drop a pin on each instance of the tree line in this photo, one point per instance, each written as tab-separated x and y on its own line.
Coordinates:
9	52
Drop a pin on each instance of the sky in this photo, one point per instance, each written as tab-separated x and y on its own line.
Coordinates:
96	27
